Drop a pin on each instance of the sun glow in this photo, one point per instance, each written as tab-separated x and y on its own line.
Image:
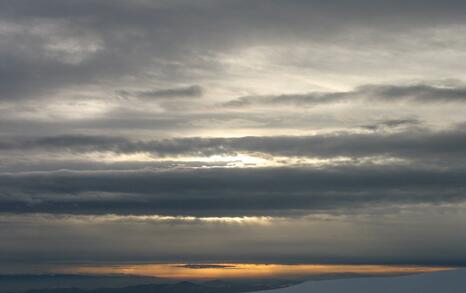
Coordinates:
181	219
245	271
240	160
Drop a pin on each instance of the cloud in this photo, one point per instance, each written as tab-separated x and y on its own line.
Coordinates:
193	91
372	236
207	266
419	93
393	123
223	191
375	83
99	44
413	144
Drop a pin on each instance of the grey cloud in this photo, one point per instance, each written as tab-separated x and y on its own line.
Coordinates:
420	93
165	39
193	91
131	122
220	191
33	239
140	12
392	123
413	144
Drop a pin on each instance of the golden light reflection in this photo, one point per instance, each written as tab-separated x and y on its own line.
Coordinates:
245	271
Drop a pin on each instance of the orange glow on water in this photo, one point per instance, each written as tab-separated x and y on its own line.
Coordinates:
243	271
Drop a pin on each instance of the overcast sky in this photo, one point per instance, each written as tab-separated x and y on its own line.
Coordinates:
255	131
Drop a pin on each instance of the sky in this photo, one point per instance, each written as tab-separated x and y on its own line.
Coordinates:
286	132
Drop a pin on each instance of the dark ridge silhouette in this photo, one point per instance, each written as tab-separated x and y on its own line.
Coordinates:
181	287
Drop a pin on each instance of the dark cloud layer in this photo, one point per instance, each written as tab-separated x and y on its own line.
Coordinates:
226	191
412	144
